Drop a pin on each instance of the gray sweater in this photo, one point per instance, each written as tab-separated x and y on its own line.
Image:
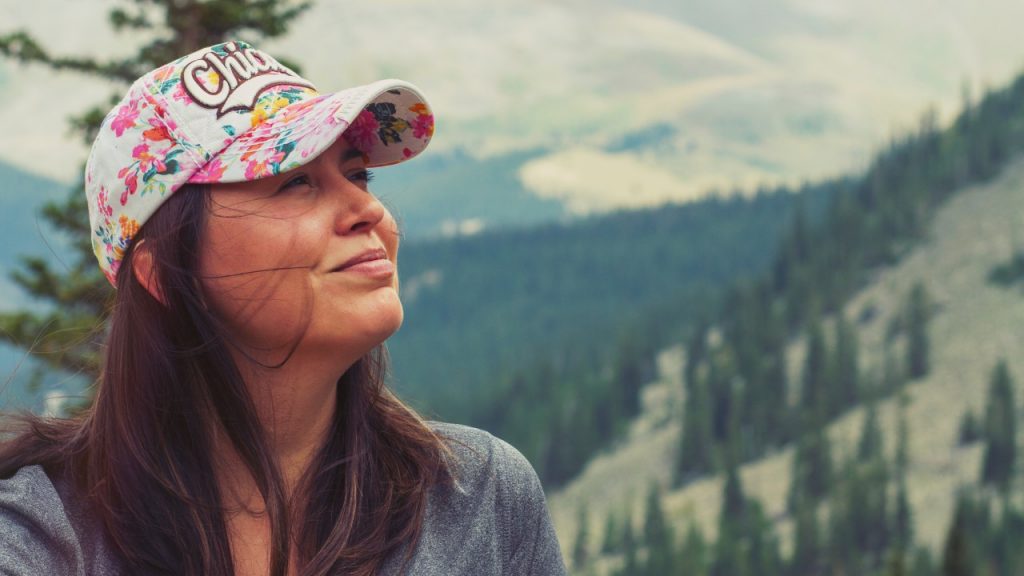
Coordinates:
495	521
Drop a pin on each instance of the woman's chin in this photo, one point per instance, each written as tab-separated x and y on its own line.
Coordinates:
373	329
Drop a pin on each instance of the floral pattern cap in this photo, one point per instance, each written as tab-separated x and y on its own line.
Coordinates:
231	113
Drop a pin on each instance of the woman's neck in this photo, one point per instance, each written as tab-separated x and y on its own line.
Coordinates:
296	406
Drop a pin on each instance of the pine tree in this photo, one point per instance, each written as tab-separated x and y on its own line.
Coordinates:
657	535
778	427
629	547
918	347
762	542
693	556
812	468
580	554
734	501
970	429
813	399
611	542
846	375
1000	430
695	454
722	377
870	446
902	438
903	519
65	334
842	546
807	553
956	556
903	516
923	564
897	564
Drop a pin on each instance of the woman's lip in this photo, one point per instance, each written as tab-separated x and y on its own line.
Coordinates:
381	267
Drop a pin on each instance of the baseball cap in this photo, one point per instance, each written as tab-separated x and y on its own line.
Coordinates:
231	113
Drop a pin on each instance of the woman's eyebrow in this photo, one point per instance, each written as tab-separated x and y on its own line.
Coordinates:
351	154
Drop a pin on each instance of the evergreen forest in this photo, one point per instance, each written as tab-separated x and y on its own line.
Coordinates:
849	512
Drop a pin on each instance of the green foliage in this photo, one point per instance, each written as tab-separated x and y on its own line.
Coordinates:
813	395
1000	460
923	564
957	556
870	221
903	515
903	519
844	376
734	500
747	544
658	535
970	429
897	565
580	548
918	348
1010	273
812	469
984	537
696	447
870	445
902	438
808	554
572	368
629	547
610	544
693	555
67	333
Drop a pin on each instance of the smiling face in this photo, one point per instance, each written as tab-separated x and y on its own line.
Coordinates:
271	261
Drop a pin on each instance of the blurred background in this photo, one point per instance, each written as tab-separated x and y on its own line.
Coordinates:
743	279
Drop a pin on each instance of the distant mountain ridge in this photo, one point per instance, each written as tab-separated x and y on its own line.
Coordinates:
757	92
23	233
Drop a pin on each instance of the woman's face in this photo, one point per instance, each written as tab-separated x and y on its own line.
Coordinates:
272	255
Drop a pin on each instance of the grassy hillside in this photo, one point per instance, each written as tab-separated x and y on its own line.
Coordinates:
975	323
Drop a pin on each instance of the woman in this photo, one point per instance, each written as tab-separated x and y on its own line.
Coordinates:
241	424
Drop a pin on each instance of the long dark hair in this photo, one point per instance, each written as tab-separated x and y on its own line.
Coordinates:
140	455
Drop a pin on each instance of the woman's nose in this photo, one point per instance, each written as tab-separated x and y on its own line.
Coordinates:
358	210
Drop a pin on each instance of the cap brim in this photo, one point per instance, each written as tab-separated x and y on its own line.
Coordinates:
388	120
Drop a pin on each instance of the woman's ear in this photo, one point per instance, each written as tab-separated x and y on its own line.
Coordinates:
144	269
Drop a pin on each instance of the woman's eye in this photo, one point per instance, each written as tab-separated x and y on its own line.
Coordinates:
299	180
362	176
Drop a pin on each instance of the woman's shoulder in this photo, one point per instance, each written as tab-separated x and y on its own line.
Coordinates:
481	454
36	535
46	528
495	519
487	466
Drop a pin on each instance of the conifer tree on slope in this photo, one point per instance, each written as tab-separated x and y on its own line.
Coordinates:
918	346
1000	430
580	552
657	535
76	295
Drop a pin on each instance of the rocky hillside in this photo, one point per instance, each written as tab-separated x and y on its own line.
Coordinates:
975	323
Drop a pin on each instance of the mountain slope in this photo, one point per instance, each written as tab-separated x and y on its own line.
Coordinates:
975	323
24	232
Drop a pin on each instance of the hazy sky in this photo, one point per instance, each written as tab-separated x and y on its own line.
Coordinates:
754	91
